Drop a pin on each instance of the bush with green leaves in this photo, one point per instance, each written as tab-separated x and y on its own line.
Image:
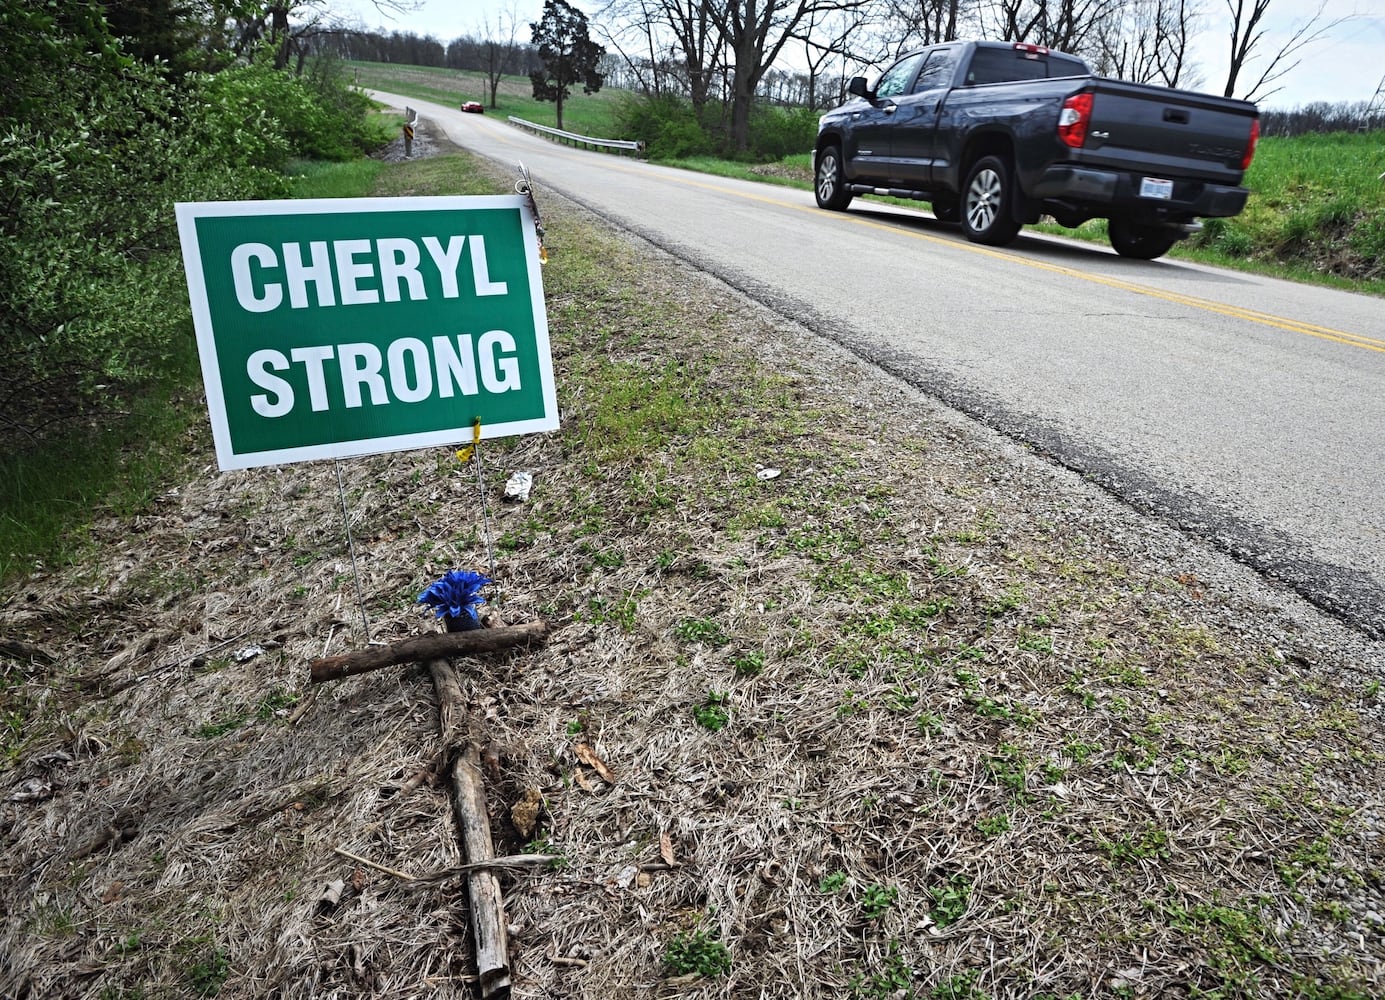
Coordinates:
777	132
88	263
277	115
668	126
96	149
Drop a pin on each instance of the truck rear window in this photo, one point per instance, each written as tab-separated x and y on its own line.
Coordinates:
1004	65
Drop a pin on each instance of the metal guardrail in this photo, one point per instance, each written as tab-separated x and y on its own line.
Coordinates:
585	141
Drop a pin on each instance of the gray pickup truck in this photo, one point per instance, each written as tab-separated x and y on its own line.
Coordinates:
996	135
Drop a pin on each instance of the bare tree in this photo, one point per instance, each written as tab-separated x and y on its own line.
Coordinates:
1248	36
837	34
630	25
1149	41
498	47
1067	25
927	22
755	32
680	35
699	41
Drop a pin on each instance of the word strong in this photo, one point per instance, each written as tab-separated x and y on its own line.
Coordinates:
336	328
411	372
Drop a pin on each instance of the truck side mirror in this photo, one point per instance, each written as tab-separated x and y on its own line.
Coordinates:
857	87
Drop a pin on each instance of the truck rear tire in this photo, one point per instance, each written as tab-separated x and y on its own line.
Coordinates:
1142	242
987	203
830	186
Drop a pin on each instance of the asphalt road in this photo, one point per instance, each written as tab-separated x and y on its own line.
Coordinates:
1246	410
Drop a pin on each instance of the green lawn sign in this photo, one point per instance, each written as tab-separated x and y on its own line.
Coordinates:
331	328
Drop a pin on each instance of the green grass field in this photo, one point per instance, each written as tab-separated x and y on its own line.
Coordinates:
587	114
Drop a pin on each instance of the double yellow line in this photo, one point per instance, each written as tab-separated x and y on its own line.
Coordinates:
1207	305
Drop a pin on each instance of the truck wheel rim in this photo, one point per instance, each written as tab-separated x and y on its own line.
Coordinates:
982	199
827	177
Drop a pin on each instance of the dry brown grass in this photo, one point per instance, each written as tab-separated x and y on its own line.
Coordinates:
985	732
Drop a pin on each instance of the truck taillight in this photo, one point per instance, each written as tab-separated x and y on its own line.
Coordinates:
1250	146
1033	50
1073	119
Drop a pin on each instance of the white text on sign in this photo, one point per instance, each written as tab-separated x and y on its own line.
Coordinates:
365	272
412	371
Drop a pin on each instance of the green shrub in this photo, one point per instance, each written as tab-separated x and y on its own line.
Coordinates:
275	115
1235	242
96	149
779	132
666	124
90	277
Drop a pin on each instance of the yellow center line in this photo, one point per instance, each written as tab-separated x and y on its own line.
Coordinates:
1206	305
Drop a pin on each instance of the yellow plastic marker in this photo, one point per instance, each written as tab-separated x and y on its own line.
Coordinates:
464	454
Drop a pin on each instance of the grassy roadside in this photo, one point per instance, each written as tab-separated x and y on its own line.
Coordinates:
889	710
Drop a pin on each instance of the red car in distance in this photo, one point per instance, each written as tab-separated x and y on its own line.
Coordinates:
474	107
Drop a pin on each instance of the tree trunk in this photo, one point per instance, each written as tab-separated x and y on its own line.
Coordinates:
742	100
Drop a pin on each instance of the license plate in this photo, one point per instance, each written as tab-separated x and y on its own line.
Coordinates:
1154	187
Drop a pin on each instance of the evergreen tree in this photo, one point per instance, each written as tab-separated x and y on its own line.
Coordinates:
566	54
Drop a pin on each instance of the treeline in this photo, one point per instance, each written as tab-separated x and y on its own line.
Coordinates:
824	86
99	137
1347	116
466	54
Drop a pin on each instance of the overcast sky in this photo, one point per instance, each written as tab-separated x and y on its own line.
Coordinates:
1346	65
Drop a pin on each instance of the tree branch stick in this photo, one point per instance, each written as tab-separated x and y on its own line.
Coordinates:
473	823
425	647
405	876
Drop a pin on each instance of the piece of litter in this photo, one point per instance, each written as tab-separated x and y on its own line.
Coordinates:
767	474
517	487
331	895
248	653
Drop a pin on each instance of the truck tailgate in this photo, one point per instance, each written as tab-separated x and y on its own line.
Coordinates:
1167	132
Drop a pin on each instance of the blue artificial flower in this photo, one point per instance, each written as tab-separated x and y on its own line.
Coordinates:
457	594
